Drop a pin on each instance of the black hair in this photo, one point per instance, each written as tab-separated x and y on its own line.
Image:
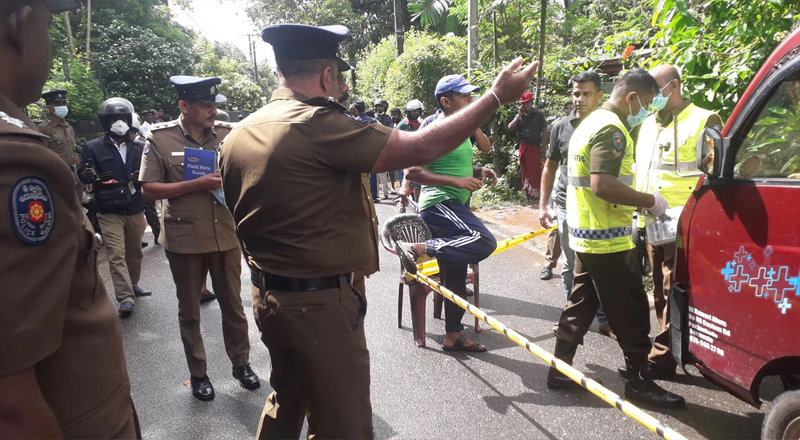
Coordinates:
395	110
299	68
587	76
360	106
637	80
449	95
370	113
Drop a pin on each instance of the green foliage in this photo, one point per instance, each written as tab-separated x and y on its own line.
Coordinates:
412	75
500	195
436	15
720	44
229	64
82	89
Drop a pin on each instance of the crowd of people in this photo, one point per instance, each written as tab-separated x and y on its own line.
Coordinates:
298	204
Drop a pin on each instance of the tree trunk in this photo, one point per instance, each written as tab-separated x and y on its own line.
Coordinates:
542	31
68	29
88	28
399	28
497	161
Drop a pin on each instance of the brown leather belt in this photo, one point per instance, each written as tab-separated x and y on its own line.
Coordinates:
286	284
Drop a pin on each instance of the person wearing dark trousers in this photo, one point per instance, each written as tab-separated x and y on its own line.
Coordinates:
459	237
151	214
552	255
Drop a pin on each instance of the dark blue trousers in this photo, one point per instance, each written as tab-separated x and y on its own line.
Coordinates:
459	239
373	186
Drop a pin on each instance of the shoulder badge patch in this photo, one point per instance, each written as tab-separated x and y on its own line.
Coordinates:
13	121
33	213
619	144
146	146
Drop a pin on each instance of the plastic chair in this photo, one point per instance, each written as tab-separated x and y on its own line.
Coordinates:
411	228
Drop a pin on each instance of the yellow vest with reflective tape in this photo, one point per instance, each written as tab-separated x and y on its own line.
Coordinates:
655	155
596	226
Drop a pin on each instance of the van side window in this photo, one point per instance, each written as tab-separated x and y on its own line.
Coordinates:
772	147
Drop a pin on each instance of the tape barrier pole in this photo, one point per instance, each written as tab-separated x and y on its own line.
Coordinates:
594	387
432	267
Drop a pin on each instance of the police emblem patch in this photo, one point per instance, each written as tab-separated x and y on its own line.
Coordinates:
146	147
619	144
13	121
33	213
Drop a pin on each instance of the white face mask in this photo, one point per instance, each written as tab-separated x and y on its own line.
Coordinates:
61	111
120	128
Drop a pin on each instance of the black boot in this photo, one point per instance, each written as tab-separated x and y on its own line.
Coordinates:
556	380
640	388
201	388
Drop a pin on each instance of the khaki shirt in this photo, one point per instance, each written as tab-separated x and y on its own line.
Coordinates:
55	315
62	142
194	223
292	174
369	207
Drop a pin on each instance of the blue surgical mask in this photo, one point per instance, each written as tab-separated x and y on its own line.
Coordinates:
61	111
638	118
660	101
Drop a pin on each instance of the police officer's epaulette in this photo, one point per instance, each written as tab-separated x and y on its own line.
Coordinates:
329	102
223	124
13	126
163	125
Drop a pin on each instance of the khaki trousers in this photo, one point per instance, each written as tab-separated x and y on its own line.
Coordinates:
189	271
320	363
662	260
122	238
613	281
553	249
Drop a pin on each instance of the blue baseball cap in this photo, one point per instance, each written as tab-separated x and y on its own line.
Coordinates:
456	83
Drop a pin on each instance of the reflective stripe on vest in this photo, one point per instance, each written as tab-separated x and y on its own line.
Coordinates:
655	155
586	182
596	226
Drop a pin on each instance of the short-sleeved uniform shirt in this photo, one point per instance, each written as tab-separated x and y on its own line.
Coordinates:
605	156
194	223
558	151
292	174
62	142
55	314
530	127
457	163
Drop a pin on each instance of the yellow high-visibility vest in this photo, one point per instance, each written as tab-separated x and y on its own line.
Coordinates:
597	226
655	155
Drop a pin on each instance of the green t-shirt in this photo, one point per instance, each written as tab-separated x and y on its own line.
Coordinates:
457	163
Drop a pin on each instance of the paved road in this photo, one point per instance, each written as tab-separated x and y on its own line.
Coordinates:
417	392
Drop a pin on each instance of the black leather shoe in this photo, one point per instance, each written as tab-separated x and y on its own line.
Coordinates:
125	309
653	373
202	388
564	351
547	273
246	377
145	244
641	388
207	296
138	291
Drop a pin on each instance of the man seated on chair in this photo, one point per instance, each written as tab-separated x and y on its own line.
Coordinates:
459	237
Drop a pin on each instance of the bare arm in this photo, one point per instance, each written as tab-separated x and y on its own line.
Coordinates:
483	142
608	188
513	125
23	411
404	149
163	191
548	178
425	177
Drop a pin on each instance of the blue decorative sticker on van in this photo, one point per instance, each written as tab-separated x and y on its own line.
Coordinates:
767	281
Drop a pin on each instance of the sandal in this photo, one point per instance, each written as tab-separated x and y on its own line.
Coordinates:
459	346
408	256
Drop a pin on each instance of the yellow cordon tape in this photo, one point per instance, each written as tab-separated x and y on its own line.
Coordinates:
595	388
432	267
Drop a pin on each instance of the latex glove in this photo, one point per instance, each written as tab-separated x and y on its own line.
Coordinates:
660	207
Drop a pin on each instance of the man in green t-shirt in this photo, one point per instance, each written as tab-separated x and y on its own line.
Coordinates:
459	237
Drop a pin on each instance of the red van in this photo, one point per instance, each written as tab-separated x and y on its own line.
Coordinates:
735	301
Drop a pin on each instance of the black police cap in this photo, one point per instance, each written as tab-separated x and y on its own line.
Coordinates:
55	95
59	6
197	88
300	41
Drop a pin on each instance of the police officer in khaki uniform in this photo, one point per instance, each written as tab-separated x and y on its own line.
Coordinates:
293	179
62	137
198	233
62	369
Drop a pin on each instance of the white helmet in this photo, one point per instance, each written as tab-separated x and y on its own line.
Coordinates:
414	104
135	121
